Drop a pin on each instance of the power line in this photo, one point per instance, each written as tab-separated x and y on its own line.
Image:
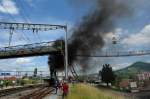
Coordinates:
23	36
24	13
35	33
11	30
10	37
38	36
27	19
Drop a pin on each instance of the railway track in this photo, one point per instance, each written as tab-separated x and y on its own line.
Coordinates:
38	94
10	91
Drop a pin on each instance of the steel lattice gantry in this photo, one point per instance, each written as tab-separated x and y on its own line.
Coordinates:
27	26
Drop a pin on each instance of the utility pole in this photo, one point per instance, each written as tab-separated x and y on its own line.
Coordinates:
10	36
41	75
66	54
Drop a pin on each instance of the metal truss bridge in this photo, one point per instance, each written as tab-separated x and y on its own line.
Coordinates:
44	48
36	49
119	54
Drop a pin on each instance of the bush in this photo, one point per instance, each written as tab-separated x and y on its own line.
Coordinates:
7	83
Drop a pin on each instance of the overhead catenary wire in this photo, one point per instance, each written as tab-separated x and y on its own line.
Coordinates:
24	14
10	37
13	19
22	36
38	37
35	33
25	17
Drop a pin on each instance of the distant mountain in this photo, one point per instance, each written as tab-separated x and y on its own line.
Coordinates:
139	66
134	69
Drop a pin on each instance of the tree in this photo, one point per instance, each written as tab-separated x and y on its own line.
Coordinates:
107	74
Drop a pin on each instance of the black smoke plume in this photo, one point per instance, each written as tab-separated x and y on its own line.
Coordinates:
88	35
56	59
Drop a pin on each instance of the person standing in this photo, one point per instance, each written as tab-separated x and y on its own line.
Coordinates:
56	87
65	89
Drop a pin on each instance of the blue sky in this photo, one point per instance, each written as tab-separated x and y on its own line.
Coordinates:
133	32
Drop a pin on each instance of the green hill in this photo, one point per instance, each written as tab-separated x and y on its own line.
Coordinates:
139	66
133	69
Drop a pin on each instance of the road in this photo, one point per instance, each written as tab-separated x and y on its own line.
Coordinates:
141	95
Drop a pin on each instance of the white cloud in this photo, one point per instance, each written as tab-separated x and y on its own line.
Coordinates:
24	64
117	66
23	60
143	37
8	6
109	36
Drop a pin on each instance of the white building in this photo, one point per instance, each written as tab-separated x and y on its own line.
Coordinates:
143	76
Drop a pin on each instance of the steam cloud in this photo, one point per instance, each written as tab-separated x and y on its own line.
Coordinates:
88	35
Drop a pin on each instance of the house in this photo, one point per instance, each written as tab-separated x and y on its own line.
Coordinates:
125	83
12	78
143	76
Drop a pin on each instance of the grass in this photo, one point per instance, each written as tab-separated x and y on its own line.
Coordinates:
83	91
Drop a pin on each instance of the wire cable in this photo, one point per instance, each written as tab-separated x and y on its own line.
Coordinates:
38	36
24	13
27	18
13	19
